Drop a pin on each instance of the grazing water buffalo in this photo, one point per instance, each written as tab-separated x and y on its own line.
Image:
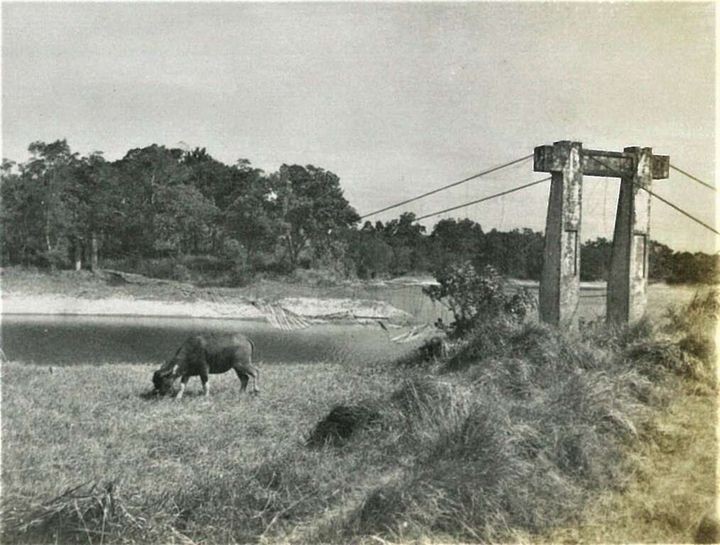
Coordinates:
202	355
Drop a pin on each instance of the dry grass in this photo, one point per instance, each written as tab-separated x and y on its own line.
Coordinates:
534	431
177	466
673	482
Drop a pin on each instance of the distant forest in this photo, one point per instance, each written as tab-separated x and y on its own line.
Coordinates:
184	215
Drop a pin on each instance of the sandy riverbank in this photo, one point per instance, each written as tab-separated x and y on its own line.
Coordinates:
335	308
116	293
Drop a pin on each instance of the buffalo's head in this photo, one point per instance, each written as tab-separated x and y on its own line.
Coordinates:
163	381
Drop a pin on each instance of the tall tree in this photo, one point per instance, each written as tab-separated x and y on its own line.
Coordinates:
312	208
49	175
96	206
145	176
407	239
371	255
454	241
16	208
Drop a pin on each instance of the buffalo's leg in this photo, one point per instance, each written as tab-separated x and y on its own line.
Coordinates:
243	379
204	371
205	384
256	377
183	383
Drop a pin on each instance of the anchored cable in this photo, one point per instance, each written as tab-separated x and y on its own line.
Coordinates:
683	212
661	199
483	173
698	180
484	199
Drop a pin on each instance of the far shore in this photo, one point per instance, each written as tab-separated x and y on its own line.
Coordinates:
111	293
308	307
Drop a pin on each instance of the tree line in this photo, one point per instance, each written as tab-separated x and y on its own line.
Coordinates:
179	214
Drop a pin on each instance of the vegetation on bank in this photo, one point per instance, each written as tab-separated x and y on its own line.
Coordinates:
519	431
184	215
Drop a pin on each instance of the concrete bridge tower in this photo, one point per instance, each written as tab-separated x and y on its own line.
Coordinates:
627	284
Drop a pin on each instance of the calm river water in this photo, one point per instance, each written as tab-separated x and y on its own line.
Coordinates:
68	340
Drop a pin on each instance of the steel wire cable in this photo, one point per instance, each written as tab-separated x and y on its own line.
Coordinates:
443	188
661	199
694	178
683	212
489	197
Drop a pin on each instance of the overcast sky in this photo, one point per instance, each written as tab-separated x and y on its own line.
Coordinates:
396	99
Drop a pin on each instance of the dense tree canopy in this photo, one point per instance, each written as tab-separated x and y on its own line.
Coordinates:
165	210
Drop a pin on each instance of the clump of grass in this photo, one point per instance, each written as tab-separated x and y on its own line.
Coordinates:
489	338
414	394
82	508
702	312
520	445
472	481
86	513
527	425
341	423
695	326
708	529
685	345
698	346
656	355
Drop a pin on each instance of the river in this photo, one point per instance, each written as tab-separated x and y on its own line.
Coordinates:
70	340
73	339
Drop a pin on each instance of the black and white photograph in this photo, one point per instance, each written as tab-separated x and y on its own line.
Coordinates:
359	273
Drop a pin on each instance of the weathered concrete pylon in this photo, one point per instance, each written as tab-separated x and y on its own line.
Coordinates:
560	281
629	267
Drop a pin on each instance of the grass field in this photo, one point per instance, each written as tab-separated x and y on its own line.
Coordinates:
673	481
95	425
526	434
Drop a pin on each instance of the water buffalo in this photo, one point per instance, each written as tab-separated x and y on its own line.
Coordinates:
201	355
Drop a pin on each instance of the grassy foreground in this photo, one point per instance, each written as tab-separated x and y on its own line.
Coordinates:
672	485
173	467
525	431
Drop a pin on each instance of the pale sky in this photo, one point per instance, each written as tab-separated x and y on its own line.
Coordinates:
396	99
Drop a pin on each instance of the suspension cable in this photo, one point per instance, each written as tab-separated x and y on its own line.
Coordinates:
483	173
658	197
671	205
484	199
698	180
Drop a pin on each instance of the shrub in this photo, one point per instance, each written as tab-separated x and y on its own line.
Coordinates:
474	296
316	277
167	268
487	339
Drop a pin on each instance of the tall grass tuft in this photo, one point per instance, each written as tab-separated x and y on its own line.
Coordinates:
341	423
519	445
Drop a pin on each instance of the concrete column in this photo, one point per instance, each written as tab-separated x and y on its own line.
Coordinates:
560	281
627	284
